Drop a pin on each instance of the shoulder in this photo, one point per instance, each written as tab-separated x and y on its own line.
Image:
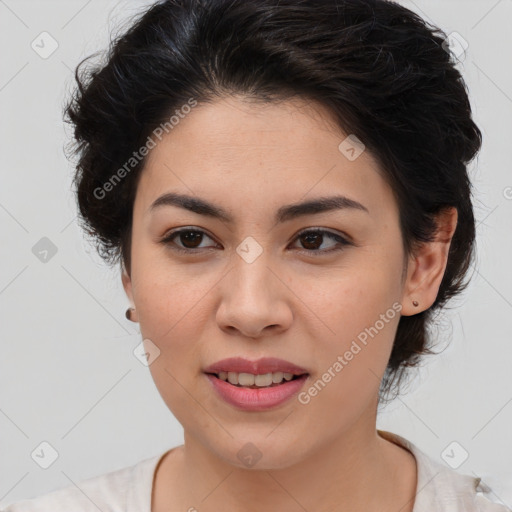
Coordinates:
486	496
441	488
484	504
116	490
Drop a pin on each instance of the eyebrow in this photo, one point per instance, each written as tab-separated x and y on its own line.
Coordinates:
283	214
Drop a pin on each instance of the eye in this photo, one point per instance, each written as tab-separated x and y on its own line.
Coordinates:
311	239
190	238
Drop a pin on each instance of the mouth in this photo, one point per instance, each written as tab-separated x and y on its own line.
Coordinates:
257	381
257	385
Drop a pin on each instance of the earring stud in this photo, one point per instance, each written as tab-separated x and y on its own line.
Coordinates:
415	303
128	313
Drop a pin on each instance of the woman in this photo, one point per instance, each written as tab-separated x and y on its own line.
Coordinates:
284	185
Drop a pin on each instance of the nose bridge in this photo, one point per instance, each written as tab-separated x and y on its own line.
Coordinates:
252	298
252	275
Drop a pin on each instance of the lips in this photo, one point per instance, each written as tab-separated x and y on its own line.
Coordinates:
256	397
258	367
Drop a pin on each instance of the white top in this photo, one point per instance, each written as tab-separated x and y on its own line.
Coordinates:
439	488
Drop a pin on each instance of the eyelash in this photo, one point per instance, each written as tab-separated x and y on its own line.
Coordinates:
342	242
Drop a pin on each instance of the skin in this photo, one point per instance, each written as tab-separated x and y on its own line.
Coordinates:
252	158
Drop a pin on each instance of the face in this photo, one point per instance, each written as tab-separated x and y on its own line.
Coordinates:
302	288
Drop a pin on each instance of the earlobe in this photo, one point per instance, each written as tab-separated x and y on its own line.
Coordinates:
127	284
428	264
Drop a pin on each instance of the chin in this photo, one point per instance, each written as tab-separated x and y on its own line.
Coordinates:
259	453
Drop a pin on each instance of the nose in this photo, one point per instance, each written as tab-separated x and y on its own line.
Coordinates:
254	300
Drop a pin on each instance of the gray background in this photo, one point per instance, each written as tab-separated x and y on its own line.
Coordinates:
67	370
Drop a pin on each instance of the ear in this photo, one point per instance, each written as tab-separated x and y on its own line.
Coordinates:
427	265
127	285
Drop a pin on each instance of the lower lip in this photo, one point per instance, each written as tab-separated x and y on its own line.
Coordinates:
252	399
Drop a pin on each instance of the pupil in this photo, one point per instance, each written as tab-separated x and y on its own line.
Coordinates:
195	237
308	237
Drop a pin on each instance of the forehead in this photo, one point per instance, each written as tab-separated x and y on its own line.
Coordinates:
252	155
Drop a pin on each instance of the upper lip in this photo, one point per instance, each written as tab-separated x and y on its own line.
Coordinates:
258	367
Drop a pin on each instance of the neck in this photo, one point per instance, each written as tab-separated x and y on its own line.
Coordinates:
358	470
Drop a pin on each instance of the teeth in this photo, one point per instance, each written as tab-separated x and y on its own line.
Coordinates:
248	379
277	377
233	377
261	380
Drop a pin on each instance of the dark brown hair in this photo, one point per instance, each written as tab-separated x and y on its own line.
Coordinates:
382	71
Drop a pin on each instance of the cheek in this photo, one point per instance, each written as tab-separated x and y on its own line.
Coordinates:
362	313
349	372
174	323
169	298
355	301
